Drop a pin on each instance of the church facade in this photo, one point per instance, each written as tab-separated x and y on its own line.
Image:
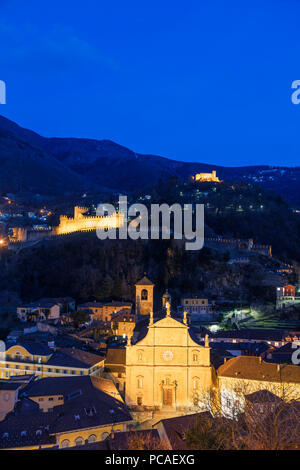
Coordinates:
167	370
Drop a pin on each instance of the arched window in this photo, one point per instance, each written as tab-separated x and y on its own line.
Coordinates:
140	382
92	438
140	355
195	356
65	443
144	294
104	436
195	383
79	441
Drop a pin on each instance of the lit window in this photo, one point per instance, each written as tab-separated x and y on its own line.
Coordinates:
79	441
65	443
140	382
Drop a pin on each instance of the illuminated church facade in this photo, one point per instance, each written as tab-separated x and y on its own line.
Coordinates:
167	370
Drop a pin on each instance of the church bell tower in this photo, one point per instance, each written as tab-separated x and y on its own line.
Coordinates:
144	296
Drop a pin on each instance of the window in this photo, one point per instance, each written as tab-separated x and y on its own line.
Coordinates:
79	441
50	398
65	443
92	438
144	294
195	357
38	432
23	433
140	355
104	436
140	382
195	383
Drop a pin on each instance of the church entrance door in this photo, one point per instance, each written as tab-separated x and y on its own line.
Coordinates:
168	395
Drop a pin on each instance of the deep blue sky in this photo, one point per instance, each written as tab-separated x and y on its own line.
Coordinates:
205	81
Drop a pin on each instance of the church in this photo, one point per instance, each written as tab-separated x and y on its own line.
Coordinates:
166	370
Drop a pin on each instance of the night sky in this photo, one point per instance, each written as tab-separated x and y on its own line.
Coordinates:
206	81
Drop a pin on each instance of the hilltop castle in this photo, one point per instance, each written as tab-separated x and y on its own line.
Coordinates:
211	177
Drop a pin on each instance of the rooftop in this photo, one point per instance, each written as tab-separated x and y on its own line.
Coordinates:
253	368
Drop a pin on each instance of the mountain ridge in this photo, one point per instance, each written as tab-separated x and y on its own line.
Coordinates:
80	164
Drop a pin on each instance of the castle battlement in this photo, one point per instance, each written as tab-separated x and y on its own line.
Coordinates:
82	223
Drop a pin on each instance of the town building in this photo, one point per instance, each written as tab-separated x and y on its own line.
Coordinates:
103	311
123	323
64	412
276	338
36	358
115	367
198	309
286	296
243	375
41	310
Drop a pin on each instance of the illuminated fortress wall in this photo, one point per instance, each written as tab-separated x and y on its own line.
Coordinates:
80	223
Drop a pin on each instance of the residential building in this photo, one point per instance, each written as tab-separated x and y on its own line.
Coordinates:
197	309
64	412
102	311
286	296
243	375
36	358
41	310
123	323
275	338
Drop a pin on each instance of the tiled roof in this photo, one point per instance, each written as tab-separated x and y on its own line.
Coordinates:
42	303
115	356
175	428
259	334
8	385
253	368
123	314
263	396
144	282
71	357
33	347
85	406
121	440
105	304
